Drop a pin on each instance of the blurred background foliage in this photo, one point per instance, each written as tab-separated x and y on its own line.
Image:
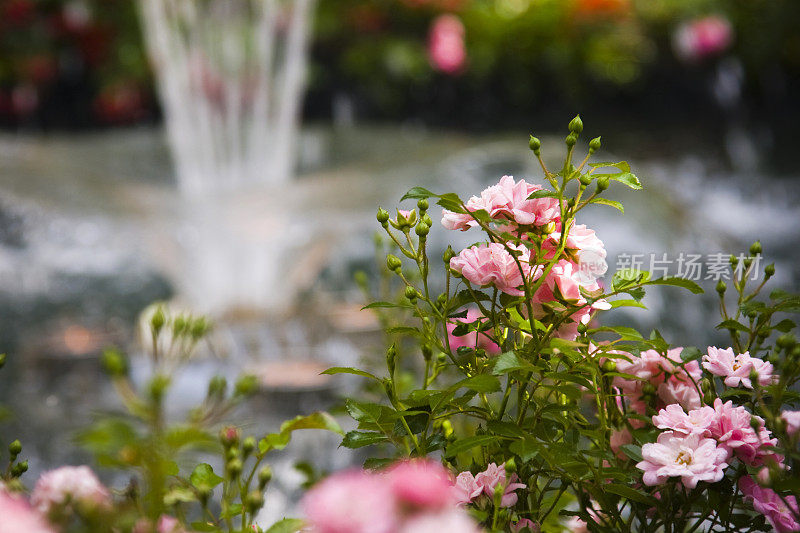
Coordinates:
81	64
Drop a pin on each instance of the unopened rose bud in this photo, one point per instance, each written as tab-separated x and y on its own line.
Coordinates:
769	270
422	229
427	353
393	263
755	248
426	218
571	140
20	468
447	429
217	386
648	389
114	363
602	183
511	466
733	260
200	328
157	320
246	385
548	228
264	476
391	359
748	261
15	448
754	377
721	287
248	445
755	424
576	124
229	437
609	365
232	453
442	357
411	293
422	204
448	255
535	145
383	216
594	145
582	328
234	467
255	500
585	180
157	387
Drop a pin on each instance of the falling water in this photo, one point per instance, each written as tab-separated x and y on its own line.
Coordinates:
230	74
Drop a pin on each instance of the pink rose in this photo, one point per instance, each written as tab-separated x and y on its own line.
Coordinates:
733	430
492	264
690	457
792	419
446	50
523	523
620	437
767	502
472	339
507	200
696	421
736	369
421	483
351	502
466	488
495	476
18	516
576	525
446	520
69	485
588	251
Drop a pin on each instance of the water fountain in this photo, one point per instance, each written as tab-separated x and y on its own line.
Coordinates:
230	74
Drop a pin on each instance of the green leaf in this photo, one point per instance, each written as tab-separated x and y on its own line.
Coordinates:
627	303
287	525
630	493
387	305
203	478
349	370
318	420
509	362
480	383
359	439
623	177
611	203
233	510
468	443
678	282
203	527
621	165
632	451
734	325
417	193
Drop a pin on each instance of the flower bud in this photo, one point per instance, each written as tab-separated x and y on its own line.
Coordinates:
217	386
582	328
535	145
721	287
548	228
248	445
755	248
733	260
393	263
232	453
391	359
199	328
769	270
20	468
255	501
422	229
447	428
442	357
585	180
383	216
15	448
602	183
245	385
448	255
427	353
158	320
594	145
571	140
411	293
264	476
755	423
422	204
157	387
511	466
609	365
229	437
754	377
576	125
426	218
234	467
114	363
648	389
707	387
786	341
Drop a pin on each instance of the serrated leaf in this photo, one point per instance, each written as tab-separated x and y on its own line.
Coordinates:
417	193
359	439
678	282
203	477
468	443
611	203
627	303
734	325
509	362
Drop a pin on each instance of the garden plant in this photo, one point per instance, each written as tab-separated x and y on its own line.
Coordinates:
505	403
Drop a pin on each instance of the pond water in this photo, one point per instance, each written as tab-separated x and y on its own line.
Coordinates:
92	229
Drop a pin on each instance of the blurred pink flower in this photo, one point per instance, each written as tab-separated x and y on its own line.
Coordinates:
446	49
69	485
736	369
620	437
353	501
767	502
472	339
17	516
446	520
492	264
421	483
576	525
792	419
523	523
702	38
692	458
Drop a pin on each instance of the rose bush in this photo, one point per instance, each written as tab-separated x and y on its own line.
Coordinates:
506	404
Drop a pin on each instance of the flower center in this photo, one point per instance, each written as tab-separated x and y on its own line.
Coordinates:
683	458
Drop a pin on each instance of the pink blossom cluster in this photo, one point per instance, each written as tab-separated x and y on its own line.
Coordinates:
165	524
446	49
507	267
792	419
704	37
673	381
699	444
735	369
412	496
472	339
469	487
780	512
17	515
